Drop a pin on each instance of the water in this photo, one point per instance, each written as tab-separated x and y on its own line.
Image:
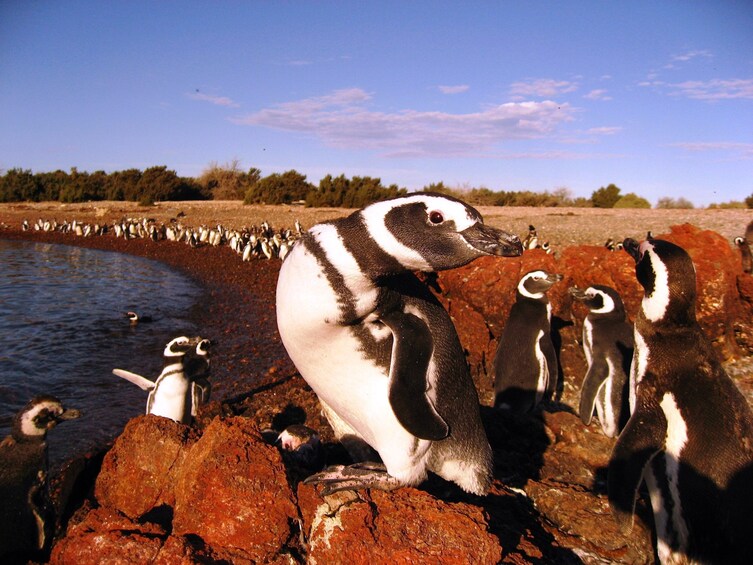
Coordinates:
63	330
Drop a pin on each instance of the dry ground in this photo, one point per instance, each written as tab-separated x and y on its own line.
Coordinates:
562	227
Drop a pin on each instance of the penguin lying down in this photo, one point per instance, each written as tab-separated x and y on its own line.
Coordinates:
183	385
379	349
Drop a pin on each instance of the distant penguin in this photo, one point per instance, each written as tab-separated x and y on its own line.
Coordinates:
531	240
378	348
172	394
746	258
608	346
136	319
26	515
525	364
690	435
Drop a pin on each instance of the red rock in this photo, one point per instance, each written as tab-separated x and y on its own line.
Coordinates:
139	471
402	526
232	492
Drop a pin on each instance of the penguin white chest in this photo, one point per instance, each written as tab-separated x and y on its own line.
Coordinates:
170	398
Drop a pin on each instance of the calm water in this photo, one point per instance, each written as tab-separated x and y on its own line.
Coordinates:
63	330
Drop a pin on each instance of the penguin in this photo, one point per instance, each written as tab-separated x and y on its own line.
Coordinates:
197	366
608	346
746	257
531	240
525	364
172	394
301	448
26	516
378	348
690	434
136	319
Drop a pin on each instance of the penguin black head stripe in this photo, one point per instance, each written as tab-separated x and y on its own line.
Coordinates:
39	416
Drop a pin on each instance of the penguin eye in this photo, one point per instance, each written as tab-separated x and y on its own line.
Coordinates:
436	217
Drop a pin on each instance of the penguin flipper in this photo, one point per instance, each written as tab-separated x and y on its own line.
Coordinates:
412	347
141	382
550	355
640	441
592	383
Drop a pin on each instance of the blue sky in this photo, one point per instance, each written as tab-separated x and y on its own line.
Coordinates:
656	97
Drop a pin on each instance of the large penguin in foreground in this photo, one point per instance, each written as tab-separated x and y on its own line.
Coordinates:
690	435
26	514
377	347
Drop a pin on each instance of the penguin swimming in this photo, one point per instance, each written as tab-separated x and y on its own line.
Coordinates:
135	318
608	346
26	515
378	348
690	435
172	395
525	364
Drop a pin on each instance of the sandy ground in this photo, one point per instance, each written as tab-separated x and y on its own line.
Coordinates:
562	227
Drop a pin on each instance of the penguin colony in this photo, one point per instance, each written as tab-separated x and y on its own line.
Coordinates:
383	357
251	242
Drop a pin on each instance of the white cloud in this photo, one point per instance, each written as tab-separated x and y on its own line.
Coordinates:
216	100
714	89
343	119
453	89
598	94
604	130
692	55
542	88
733	149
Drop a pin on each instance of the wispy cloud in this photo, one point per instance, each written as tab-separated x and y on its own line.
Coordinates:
343	119
604	130
733	149
541	88
710	90
212	99
457	89
688	56
598	94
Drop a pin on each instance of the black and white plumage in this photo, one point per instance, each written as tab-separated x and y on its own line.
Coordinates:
197	367
525	365
377	347
26	516
173	395
531	241
690	435
746	257
135	318
608	346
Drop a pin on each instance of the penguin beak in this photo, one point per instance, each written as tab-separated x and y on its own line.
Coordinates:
633	248
493	241
69	414
577	293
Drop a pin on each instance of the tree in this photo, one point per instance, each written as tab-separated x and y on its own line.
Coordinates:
227	182
290	186
18	185
632	200
606	197
674	203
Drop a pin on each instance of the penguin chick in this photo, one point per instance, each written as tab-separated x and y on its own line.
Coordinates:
525	364
690	435
26	514
171	394
378	348
301	448
746	258
608	347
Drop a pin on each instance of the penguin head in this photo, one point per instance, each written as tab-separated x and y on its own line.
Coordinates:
535	284
196	363
740	241
667	275
179	346
133	316
599	299
39	416
432	232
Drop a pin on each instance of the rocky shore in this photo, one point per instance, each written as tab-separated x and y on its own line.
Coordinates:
220	493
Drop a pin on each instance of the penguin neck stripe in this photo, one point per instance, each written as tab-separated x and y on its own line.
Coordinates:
655	304
374	219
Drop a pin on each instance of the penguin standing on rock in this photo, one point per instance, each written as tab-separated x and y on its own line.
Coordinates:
525	364
690	435
608	346
378	348
173	394
746	257
26	519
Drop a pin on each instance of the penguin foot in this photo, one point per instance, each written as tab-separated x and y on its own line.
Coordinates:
354	477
